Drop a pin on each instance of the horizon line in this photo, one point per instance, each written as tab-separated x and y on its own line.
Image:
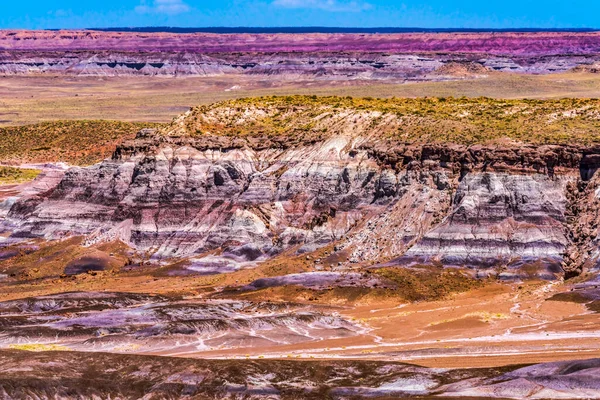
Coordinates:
325	29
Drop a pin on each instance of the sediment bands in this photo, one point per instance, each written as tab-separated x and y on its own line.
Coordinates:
238	183
322	56
456	158
507	43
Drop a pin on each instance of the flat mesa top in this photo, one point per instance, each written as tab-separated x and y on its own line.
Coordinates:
515	43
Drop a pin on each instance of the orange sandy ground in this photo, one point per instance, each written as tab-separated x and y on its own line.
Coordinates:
499	324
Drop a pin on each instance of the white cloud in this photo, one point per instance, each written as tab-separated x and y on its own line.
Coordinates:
327	5
170	7
60	13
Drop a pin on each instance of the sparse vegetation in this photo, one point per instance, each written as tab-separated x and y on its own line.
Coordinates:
33	99
419	285
294	119
74	142
12	175
36	347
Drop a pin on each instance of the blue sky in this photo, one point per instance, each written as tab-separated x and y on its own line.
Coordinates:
343	13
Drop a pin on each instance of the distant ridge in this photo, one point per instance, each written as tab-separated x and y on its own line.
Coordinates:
320	29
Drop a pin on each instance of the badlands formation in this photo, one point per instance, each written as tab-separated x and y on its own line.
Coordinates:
241	182
407	56
303	246
368	248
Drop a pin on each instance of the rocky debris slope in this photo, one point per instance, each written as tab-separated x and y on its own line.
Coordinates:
583	220
83	375
324	56
245	183
121	322
558	380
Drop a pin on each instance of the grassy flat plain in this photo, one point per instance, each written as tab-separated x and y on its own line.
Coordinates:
75	142
33	99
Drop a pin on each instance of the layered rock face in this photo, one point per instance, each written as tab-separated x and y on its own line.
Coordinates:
509	209
247	205
501	219
179	201
326	66
323	56
497	43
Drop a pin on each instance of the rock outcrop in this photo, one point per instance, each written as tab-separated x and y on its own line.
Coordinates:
501	220
61	374
505	209
111	322
324	56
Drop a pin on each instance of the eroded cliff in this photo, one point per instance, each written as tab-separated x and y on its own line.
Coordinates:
323	56
241	182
